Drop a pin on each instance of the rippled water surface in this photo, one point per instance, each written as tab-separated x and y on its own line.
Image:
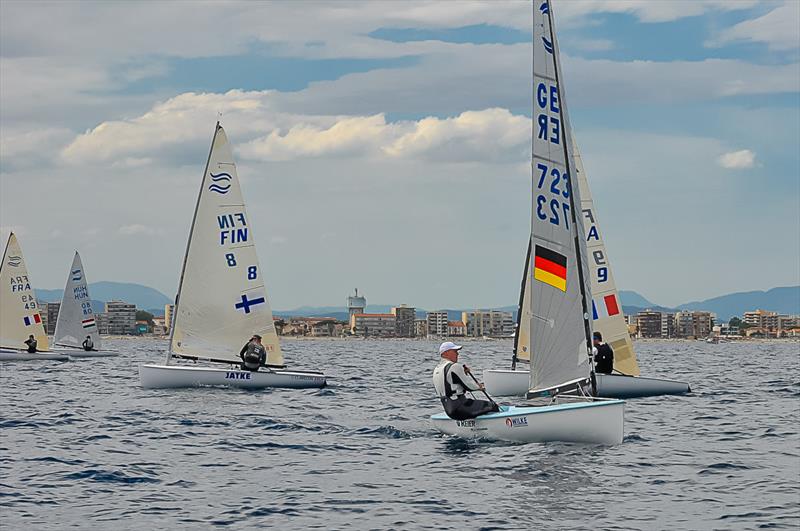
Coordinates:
82	445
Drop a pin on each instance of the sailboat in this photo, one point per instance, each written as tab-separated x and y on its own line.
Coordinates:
559	298
222	300
76	319
607	316
19	312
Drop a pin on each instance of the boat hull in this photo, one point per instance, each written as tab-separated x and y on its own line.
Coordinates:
600	422
80	353
175	376
505	382
21	355
620	386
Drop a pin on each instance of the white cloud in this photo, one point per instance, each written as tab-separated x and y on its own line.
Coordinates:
737	160
779	29
261	133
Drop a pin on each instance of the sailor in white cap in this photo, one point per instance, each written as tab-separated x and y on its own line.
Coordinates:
452	383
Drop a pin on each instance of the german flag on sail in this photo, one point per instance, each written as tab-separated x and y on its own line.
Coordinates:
550	267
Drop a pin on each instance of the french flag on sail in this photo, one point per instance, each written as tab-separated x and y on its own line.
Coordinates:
88	323
605	307
32	319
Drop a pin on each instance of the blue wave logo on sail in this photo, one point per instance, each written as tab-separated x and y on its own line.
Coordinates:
76	275
547	45
544	8
14	261
221	184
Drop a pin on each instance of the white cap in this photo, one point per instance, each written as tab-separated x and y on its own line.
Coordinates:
448	345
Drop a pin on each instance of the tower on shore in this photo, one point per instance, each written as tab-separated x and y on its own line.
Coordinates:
355	304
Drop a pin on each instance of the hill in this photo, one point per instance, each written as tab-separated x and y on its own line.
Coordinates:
101	292
782	300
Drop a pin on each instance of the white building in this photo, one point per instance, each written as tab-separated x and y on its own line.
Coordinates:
437	323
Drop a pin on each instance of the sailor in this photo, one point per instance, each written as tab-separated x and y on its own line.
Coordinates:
31	342
603	354
451	382
253	354
88	344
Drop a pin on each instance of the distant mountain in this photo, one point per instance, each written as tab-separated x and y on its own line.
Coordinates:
631	298
141	296
781	300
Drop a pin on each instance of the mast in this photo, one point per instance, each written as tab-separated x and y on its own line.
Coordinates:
587	327
514	358
188	244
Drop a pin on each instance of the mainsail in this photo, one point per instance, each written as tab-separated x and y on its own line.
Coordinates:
607	316
75	316
560	328
522	338
606	308
19	312
222	300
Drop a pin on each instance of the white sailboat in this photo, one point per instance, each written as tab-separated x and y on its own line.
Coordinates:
222	300
607	316
559	326
19	312
76	318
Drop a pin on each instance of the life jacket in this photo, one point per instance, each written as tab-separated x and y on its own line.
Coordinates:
252	358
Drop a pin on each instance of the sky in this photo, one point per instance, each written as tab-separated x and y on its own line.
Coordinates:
386	145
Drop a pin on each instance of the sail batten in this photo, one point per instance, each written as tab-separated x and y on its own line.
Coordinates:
76	318
222	300
19	312
559	327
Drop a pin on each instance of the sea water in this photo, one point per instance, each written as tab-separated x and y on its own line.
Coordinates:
83	445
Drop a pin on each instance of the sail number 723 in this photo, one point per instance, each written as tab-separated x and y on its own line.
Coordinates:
554	186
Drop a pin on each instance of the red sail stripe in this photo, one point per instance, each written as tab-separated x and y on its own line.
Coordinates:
550	267
611	305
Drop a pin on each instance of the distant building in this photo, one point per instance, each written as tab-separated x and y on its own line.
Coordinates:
667	325
121	318
492	323
142	327
373	324
48	311
159	328
695	324
456	329
437	323
404	323
324	327
648	323
770	321
420	327
169	312
101	320
355	304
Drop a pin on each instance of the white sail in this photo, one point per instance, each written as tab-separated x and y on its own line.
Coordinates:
222	300
76	319
19	312
522	340
560	327
607	315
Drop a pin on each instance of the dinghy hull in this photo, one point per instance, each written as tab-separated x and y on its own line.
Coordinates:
16	355
620	386
600	422
505	382
176	376
90	354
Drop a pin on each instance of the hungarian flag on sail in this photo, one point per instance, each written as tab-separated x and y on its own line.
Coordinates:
88	323
605	307
550	267
31	319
